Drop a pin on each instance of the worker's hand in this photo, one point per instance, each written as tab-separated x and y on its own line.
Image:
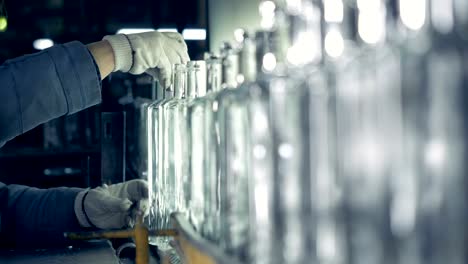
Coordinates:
113	206
152	52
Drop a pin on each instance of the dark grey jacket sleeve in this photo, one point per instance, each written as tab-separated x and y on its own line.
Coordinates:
35	89
37	218
42	86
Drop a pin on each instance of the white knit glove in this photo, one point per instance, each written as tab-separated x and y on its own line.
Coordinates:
113	206
147	52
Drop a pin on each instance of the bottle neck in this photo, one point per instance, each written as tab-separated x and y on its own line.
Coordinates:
168	93
180	76
214	74
340	28
263	45
295	34
248	67
371	21
230	69
196	79
439	18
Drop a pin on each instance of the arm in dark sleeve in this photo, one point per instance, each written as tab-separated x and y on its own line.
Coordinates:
42	86
38	217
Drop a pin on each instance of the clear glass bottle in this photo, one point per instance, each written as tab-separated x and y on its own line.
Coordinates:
434	76
156	216
195	196
263	234
210	228
232	120
218	156
294	102
174	138
149	151
334	192
182	150
226	158
161	207
368	131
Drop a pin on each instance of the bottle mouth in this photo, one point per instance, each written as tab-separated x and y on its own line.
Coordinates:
196	64
178	69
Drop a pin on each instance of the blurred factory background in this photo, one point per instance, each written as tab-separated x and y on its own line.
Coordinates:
67	151
336	169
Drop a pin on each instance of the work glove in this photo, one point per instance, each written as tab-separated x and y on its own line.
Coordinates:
113	206
152	52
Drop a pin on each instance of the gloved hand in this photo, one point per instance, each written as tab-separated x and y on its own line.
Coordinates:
147	52
113	206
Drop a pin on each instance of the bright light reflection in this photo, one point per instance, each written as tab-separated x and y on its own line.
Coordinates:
413	13
167	30
286	151
371	25
240	78
239	35
236	164
435	154
370	154
259	152
403	213
334	43
267	12
294	6
269	62
261	201
44	43
442	15
267	7
306	49
194	34
127	31
326	243
149	148
3	23
367	5
333	11
259	122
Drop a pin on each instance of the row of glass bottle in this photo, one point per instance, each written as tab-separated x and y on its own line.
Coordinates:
182	136
350	155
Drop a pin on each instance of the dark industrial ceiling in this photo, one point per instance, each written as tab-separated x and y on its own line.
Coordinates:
90	20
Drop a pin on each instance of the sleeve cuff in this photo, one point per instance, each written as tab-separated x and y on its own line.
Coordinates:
122	52
79	210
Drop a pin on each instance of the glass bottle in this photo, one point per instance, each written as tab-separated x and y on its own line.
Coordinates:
149	151
294	102
161	205
195	196
229	71
191	92
434	127
155	164
232	118
230	66
210	227
263	233
341	211
174	142
368	122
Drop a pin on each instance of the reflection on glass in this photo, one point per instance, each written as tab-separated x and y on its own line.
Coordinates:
195	176
206	106
174	142
353	155
157	218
